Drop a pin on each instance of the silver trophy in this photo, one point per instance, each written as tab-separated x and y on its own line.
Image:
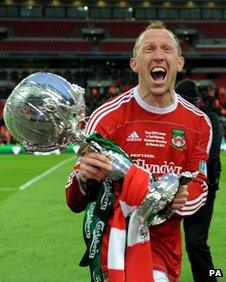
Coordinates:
44	113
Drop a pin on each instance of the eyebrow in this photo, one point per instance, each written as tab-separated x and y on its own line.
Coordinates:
164	44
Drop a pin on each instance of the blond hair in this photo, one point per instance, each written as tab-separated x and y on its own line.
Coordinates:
155	25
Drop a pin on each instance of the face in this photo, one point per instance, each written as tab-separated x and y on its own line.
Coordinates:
157	63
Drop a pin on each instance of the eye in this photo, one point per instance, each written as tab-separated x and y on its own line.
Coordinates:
167	49
149	48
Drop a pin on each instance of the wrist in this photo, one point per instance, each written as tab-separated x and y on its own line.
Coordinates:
82	179
82	184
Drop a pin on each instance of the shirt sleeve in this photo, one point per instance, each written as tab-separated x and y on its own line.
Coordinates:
198	188
75	196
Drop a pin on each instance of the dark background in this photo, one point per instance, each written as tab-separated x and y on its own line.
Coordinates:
90	43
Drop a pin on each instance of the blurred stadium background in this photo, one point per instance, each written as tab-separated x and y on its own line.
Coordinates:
88	43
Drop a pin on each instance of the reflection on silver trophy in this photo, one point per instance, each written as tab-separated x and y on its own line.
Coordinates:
44	113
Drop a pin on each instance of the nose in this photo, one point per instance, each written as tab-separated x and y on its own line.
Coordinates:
158	54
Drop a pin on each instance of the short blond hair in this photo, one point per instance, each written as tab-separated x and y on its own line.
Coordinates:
155	25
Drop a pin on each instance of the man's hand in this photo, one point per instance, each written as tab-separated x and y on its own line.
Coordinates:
94	166
180	198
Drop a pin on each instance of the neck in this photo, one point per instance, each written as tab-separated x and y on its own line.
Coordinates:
157	100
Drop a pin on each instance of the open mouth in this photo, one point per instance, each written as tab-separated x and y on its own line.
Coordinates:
158	74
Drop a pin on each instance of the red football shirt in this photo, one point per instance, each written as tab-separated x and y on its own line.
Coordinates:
162	140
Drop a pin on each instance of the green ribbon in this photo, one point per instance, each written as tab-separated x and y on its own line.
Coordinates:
107	144
97	214
95	219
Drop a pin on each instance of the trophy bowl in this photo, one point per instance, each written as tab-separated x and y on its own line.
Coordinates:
43	110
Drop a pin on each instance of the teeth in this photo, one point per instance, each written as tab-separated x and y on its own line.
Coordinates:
156	69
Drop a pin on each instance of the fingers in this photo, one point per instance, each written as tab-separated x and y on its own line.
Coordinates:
94	166
181	198
97	160
96	174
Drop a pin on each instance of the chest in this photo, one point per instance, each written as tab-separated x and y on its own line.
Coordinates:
156	145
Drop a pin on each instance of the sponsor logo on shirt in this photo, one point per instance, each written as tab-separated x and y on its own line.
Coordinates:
133	137
163	168
178	139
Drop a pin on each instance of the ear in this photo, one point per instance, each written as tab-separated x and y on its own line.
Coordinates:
133	64
180	64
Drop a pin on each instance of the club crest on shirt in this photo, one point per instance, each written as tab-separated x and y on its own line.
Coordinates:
178	139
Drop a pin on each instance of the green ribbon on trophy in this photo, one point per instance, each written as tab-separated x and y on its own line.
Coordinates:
105	143
97	214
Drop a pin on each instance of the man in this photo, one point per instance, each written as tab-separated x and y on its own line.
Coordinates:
196	227
161	134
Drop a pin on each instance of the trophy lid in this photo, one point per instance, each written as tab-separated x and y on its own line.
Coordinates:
42	110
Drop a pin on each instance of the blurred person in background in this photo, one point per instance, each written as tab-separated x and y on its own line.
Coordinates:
208	98
161	134
5	137
221	104
196	226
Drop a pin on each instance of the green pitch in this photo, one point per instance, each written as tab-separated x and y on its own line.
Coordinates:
41	239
